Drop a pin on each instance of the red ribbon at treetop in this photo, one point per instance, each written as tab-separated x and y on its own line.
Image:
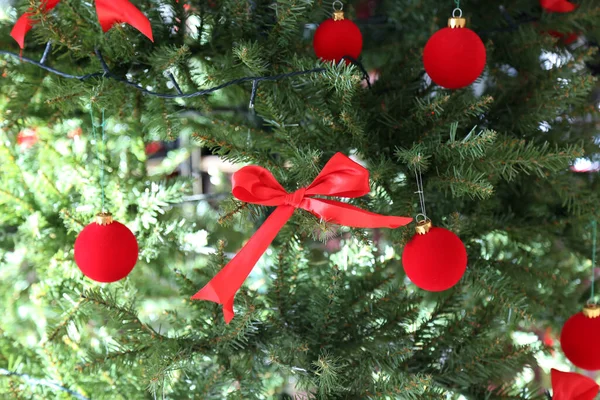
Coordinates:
109	13
558	6
340	177
572	386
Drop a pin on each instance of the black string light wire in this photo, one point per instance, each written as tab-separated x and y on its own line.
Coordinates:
107	73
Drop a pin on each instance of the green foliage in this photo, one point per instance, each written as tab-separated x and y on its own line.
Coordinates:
328	312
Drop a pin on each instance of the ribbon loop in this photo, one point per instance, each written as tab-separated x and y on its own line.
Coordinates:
340	177
295	199
109	12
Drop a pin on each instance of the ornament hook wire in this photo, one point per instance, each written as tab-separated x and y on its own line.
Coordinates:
594	251
100	157
421	218
338	6
420	191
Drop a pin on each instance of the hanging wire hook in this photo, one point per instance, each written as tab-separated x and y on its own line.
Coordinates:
421	193
594	251
421	218
457	9
102	161
338	5
100	157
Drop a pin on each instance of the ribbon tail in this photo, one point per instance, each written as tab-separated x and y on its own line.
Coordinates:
349	215
228	313
222	288
111	12
572	386
19	31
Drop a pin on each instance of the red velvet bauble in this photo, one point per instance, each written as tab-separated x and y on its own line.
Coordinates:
336	39
454	57
558	6
436	260
27	138
567	38
106	253
579	341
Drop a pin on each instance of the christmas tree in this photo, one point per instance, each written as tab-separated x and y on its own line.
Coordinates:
329	311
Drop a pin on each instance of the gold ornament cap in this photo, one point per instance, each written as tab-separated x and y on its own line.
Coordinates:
423	226
591	311
104	218
338	16
457	20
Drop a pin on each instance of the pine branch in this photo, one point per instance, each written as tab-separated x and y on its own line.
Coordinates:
113	356
228	216
18	200
68	318
127	314
42	382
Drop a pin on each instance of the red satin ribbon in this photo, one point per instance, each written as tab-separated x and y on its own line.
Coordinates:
109	13
572	386
559	6
340	177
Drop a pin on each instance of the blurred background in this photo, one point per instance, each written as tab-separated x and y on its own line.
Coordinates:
201	181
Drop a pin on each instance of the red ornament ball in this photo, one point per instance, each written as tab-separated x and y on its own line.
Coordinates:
106	251
454	57
27	138
558	6
336	39
566	38
435	261
579	341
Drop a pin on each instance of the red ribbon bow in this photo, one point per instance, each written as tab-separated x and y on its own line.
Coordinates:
572	386
558	6
340	177
109	13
